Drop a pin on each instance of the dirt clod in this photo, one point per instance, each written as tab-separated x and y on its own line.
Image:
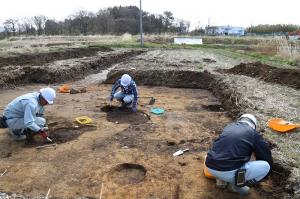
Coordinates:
213	107
207	60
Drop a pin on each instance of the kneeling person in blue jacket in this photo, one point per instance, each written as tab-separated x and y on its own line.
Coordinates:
128	94
25	114
231	153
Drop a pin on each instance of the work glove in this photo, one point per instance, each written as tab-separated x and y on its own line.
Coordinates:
43	134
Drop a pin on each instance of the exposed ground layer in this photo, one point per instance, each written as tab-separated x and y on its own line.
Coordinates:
170	78
61	71
289	77
47	57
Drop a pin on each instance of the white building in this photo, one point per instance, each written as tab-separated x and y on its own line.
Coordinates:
225	30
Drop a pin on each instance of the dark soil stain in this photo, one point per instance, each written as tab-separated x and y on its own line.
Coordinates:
124	115
168	78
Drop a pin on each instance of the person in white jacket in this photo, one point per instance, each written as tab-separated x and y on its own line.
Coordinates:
25	114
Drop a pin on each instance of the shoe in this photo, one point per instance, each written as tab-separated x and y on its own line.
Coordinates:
16	134
240	190
221	184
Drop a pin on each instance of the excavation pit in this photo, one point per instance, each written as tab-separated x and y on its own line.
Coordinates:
128	173
121	115
59	133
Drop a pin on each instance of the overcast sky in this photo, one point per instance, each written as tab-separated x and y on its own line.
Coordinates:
216	12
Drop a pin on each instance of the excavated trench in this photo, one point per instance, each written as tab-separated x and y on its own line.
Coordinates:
62	71
140	124
274	187
47	57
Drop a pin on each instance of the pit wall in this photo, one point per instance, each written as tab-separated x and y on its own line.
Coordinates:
169	78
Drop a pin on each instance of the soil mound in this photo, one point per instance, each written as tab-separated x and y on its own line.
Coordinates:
43	58
288	77
169	78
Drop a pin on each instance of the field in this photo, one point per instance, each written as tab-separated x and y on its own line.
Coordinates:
129	155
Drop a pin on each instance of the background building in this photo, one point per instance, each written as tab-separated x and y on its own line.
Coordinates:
225	30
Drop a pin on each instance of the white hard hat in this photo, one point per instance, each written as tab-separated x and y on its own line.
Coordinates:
48	94
125	80
250	117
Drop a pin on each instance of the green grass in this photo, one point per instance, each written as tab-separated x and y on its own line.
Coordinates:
200	66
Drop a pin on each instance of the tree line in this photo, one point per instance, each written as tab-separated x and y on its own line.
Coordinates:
270	29
113	20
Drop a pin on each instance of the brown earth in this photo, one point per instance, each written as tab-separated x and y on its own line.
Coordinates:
133	159
43	58
288	77
129	154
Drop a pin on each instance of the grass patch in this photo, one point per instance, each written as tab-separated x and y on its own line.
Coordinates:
200	66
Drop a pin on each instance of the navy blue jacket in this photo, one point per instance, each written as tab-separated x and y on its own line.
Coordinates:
129	90
234	147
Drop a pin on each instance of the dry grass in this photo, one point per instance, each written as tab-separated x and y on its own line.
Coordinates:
37	44
280	47
288	49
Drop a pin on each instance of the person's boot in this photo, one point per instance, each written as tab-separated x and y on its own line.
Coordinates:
17	134
240	190
221	184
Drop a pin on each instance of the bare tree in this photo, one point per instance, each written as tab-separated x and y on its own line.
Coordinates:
39	22
10	26
81	20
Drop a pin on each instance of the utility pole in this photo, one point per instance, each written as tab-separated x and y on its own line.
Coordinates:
141	23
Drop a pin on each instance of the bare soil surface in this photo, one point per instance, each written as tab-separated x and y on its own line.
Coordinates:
289	77
131	154
79	165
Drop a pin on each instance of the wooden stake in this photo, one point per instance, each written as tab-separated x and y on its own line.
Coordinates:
47	194
100	197
3	173
45	146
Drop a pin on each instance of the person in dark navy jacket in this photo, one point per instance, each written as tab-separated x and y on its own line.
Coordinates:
232	151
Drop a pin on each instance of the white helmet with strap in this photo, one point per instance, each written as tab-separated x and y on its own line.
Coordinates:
125	80
48	94
250	119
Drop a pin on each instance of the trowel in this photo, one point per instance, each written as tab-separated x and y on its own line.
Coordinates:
180	152
152	99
